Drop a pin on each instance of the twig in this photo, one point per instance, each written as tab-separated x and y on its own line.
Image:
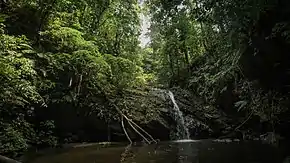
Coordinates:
70	82
244	121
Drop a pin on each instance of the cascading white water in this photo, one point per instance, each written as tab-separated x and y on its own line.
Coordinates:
182	130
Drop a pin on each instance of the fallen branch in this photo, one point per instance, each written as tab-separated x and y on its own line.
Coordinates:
152	139
238	127
130	122
122	122
139	133
244	121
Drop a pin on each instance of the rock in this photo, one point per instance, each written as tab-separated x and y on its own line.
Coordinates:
287	160
158	130
270	138
203	120
197	128
4	159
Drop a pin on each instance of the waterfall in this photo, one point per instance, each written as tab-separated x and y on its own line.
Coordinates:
182	130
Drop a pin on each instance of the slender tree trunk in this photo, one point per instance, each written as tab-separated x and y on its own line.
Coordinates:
80	84
44	15
124	129
186	56
109	131
204	39
171	64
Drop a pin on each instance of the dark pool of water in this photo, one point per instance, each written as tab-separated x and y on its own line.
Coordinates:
206	151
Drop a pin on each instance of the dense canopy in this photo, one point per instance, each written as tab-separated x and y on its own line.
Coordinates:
68	68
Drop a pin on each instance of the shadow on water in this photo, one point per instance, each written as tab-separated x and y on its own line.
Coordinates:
206	151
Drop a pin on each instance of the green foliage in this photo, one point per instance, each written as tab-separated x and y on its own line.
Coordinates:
71	56
17	72
124	71
17	77
75	58
207	46
60	38
11	140
45	134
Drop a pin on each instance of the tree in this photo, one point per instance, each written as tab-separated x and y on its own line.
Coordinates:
65	57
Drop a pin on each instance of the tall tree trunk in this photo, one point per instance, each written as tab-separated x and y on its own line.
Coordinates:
186	56
171	64
204	40
44	15
109	131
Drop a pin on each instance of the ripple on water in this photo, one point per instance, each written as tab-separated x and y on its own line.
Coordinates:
185	141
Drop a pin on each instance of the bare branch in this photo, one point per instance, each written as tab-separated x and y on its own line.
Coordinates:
124	129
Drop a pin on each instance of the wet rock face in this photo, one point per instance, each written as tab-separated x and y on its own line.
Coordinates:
153	110
158	130
287	160
270	138
197	128
202	120
207	121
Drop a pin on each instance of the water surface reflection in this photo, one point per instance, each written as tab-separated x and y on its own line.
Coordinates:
171	152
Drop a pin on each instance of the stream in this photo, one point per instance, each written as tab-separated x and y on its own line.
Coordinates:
205	151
